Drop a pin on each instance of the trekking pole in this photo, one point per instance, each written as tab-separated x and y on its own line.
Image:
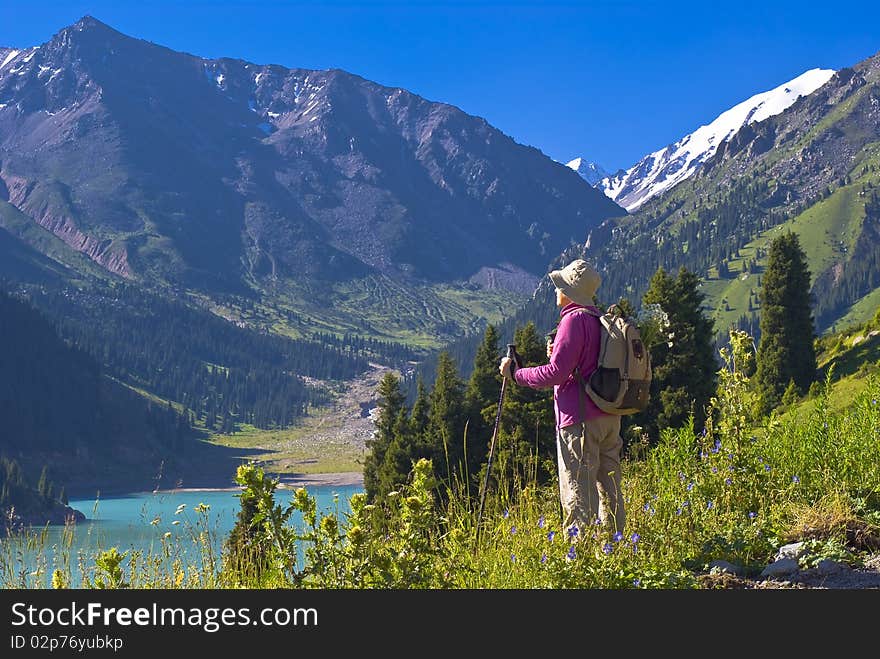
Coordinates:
511	352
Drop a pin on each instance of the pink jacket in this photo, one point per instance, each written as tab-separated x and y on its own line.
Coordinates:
576	344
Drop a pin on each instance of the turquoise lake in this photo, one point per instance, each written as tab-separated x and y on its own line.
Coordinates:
139	522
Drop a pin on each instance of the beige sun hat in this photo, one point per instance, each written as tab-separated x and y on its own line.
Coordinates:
578	280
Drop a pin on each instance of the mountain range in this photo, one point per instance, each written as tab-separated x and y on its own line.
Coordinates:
661	170
308	202
224	177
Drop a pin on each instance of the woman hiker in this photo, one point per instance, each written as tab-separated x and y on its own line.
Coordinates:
588	442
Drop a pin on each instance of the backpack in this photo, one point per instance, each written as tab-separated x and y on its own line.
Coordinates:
621	383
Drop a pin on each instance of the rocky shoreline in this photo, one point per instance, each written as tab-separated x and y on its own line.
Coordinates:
58	514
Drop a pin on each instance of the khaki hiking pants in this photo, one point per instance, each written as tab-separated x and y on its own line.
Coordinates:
589	474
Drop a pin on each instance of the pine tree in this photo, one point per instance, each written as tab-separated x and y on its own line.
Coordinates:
391	403
481	398
786	350
527	423
684	373
446	424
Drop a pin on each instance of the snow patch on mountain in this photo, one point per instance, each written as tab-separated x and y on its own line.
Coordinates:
589	171
661	170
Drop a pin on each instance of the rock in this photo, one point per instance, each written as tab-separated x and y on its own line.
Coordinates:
780	568
723	567
792	550
827	567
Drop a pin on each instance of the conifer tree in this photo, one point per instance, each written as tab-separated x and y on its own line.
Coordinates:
418	420
391	403
528	423
685	372
481	398
786	350
446	423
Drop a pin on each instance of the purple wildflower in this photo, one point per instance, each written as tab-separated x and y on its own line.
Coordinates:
608	548
709	505
571	555
512	530
795	479
550	536
753	515
727	481
543	558
617	537
573	531
541	522
634	538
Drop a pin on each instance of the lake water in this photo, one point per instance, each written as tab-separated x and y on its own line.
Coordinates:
138	523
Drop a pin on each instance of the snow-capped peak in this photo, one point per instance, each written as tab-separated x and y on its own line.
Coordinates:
661	170
589	171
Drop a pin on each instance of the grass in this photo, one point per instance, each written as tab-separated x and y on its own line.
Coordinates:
423	316
295	450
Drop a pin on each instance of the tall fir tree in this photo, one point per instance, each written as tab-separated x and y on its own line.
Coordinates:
481	398
528	426
786	350
685	372
446	425
391	403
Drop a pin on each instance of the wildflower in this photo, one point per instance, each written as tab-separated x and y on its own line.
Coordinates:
550	536
617	537
506	513
512	530
541	522
753	515
167	535
766	467
637	583
180	509
716	447
543	558
634	538
608	548
513	558
709	505
703	455
690	486
646	507
571	555
573	531
678	512
175	522
714	470
728	481
795	479
681	476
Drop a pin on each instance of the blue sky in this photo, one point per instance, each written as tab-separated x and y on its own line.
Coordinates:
611	81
